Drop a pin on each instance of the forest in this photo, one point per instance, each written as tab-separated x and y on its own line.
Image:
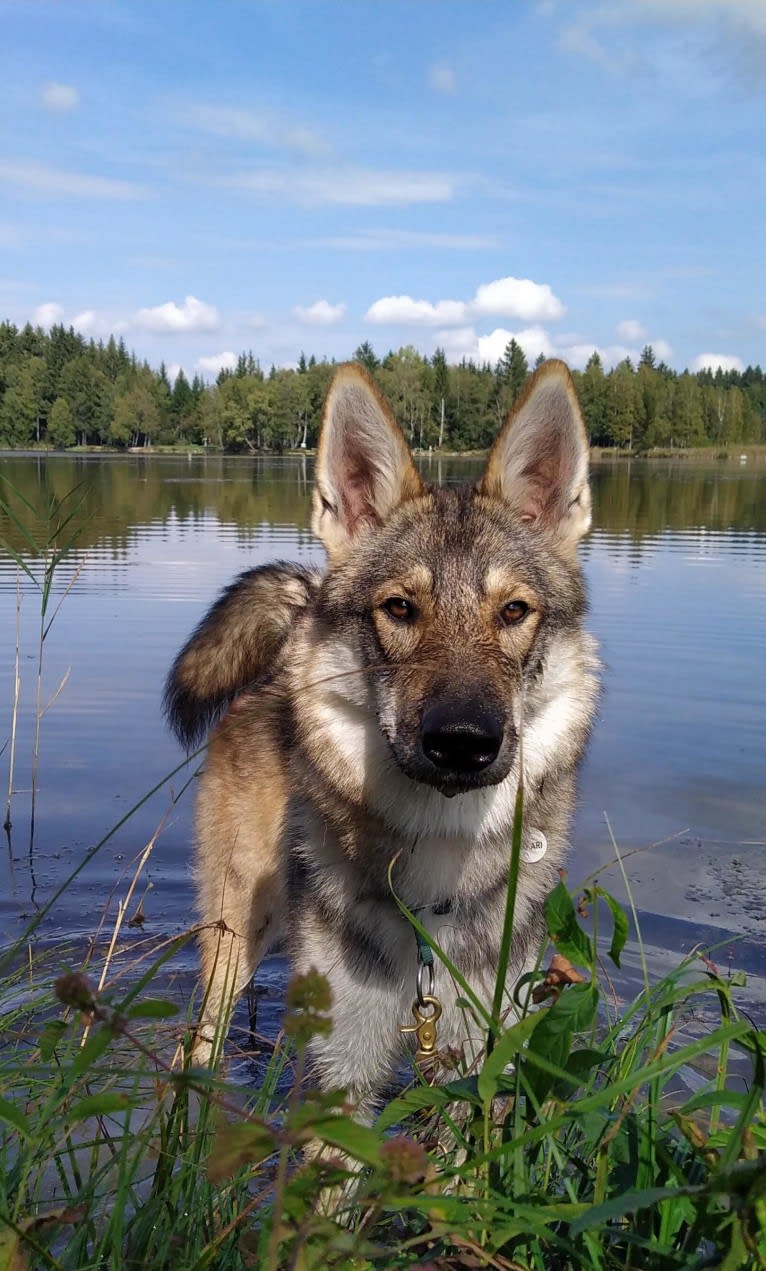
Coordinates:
59	390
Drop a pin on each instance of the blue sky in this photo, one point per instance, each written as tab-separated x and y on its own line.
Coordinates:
204	178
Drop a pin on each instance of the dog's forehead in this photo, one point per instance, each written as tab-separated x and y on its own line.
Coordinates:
451	541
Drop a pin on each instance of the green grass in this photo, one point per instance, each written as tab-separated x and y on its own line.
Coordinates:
581	1142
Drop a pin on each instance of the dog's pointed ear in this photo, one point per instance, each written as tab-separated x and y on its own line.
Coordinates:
364	466
539	462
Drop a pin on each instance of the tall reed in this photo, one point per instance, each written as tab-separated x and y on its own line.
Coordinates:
50	531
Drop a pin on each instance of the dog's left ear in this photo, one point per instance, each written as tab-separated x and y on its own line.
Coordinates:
364	467
539	462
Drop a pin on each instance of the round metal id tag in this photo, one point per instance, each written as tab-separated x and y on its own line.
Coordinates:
534	847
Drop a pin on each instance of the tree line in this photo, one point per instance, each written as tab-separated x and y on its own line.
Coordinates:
59	389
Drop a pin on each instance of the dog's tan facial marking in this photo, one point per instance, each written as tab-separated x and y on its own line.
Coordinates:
405	597
512	608
402	608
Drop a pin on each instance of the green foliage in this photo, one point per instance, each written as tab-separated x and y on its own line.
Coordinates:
511	374
61	424
115	400
576	1143
366	357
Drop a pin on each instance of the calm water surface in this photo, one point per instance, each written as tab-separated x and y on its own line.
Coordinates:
676	568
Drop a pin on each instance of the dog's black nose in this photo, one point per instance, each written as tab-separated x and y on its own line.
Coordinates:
459	741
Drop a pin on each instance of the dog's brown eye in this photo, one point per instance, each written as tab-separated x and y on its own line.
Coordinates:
514	612
399	608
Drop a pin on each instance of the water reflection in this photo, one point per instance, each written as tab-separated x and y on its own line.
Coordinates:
124	494
676	574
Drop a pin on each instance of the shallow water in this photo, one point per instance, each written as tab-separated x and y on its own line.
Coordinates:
675	771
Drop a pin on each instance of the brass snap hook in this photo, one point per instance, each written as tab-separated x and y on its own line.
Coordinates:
424	1027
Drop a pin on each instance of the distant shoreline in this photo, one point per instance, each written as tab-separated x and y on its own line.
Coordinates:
742	453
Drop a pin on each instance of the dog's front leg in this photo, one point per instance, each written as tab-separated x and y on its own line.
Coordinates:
364	1047
240	892
241	923
360	1056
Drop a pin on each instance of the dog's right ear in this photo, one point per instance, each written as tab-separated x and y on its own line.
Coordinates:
364	466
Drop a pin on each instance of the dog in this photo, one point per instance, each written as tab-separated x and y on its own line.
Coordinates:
377	719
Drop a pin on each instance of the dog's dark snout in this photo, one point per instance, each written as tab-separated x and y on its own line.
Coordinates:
457	740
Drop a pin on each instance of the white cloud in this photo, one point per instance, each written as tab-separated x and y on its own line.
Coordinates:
630	329
416	312
578	355
218	362
458	343
253	321
749	13
442	78
47	314
321	313
60	97
518	298
192	315
712	362
262	127
41	179
354	187
578	38
532	302
662	350
85	322
578	352
533	340
734	32
464	342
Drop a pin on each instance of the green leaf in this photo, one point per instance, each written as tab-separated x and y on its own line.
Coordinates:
628	1203
98	1042
152	1008
574	1012
96	1105
11	1114
580	1064
359	1141
619	921
17	494
50	1037
16	556
414	1101
564	929
237	1144
715	1099
505	1051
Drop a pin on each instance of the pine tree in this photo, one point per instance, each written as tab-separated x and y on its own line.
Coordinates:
366	357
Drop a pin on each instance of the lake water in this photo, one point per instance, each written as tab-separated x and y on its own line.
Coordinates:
676	566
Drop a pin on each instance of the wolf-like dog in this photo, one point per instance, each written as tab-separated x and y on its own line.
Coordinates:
385	709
